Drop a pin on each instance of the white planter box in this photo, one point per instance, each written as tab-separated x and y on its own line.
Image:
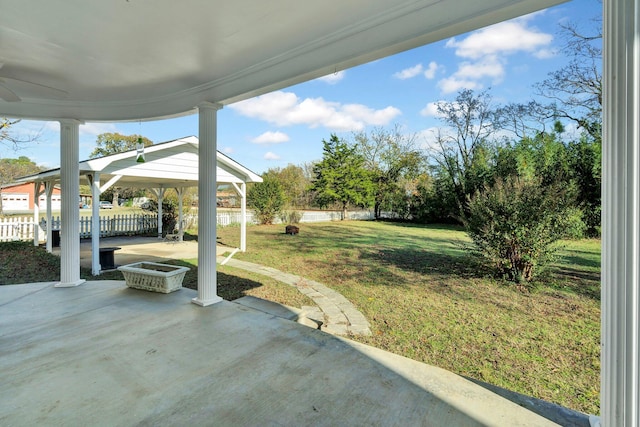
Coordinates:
154	277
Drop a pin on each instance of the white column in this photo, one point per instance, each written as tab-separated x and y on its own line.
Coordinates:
160	195
94	181
242	192
180	192
48	189
70	220
207	165
620	376
37	191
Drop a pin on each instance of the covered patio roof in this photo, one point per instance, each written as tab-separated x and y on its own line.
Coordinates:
131	59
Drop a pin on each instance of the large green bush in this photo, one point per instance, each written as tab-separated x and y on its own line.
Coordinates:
267	198
516	224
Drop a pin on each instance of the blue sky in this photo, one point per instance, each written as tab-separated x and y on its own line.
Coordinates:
288	126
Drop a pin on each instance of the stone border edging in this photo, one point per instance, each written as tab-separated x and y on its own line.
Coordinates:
341	317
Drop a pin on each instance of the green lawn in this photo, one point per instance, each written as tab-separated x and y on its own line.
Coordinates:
427	300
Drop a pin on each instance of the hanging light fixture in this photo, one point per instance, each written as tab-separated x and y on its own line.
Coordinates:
140	151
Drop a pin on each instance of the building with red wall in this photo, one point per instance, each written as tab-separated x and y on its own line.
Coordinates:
18	198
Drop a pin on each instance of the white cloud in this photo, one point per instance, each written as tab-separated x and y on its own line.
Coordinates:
408	73
545	53
333	78
286	109
96	129
430	72
487	67
227	150
454	84
502	38
485	52
271	156
271	138
430	110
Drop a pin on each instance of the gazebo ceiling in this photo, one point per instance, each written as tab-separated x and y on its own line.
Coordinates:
135	59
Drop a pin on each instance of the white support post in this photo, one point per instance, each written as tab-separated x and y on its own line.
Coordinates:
242	191
207	165
48	189
70	221
180	192
160	194
94	181
37	191
620	356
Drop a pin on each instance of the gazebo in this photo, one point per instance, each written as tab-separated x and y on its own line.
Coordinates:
172	164
78	62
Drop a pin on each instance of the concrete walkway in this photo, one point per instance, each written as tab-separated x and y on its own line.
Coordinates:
337	314
340	316
105	355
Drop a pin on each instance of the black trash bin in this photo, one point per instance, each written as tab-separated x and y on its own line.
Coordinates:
55	238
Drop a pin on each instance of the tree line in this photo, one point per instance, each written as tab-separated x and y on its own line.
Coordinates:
510	174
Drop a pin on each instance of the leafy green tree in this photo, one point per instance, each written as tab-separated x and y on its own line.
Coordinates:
585	164
112	143
267	198
393	161
516	223
10	169
294	183
340	177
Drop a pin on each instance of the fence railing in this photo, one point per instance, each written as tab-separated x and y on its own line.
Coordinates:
22	228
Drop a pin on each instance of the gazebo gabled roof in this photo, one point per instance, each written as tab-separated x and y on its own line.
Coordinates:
168	164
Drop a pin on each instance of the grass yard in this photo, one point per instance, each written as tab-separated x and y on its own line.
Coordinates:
426	300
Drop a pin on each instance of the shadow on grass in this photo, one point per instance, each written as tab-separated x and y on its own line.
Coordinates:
575	281
425	261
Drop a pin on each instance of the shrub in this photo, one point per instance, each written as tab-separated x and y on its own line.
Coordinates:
516	224
169	213
291	217
267	198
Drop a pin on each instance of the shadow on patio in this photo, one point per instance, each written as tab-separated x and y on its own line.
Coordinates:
103	354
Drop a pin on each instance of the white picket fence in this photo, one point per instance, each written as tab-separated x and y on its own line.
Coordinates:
21	228
227	218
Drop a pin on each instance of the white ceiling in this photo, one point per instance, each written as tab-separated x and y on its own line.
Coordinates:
113	60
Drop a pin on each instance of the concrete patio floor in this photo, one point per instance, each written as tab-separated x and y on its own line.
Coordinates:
104	354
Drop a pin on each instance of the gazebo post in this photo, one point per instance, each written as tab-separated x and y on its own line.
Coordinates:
48	189
37	191
242	191
180	192
207	168
94	181
70	222
159	192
